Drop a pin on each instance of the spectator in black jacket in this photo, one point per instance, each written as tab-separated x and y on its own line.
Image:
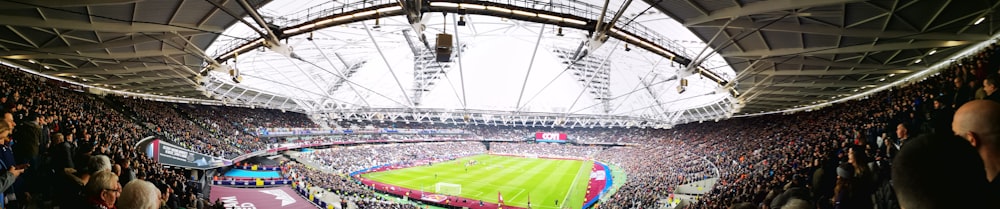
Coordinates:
940	171
127	174
941	117
26	140
62	152
990	86
962	94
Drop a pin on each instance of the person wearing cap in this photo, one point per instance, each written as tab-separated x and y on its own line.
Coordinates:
845	192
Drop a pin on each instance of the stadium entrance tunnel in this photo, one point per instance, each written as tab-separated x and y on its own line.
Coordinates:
494	181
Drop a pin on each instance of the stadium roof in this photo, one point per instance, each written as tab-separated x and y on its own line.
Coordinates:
531	58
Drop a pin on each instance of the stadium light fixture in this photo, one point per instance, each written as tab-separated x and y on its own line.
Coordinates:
574	21
472	6
550	17
980	20
389	9
497	9
523	13
444	4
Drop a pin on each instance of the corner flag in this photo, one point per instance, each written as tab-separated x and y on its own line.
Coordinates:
529	200
500	196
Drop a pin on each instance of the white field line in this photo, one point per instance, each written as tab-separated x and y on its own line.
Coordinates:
575	179
518	194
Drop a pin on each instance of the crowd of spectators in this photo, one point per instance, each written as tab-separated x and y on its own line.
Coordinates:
69	143
765	155
337	183
545	149
353	158
245	120
165	121
654	172
341	185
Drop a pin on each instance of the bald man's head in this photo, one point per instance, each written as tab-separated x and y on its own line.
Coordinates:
979	122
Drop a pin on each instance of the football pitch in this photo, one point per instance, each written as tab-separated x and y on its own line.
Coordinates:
544	181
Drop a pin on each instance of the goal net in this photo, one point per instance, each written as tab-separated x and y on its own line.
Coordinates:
447	188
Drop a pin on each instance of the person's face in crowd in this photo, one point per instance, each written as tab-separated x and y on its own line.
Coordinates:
958	83
989	87
165	196
110	195
9	119
850	155
937	104
900	131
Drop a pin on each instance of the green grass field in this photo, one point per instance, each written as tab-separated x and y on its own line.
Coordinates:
544	180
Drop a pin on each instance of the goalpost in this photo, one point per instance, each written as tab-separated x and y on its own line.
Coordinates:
448	188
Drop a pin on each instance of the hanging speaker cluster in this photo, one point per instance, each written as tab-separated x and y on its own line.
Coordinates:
444	47
683	86
235	74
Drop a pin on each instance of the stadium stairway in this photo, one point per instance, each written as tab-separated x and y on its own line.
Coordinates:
697	187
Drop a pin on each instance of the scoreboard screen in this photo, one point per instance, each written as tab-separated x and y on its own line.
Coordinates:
550	137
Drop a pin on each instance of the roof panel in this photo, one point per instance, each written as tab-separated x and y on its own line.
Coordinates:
115	13
781	40
858	12
819	40
67	13
22	12
157	11
713	5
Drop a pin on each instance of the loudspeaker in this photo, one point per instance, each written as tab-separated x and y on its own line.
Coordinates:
444	47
